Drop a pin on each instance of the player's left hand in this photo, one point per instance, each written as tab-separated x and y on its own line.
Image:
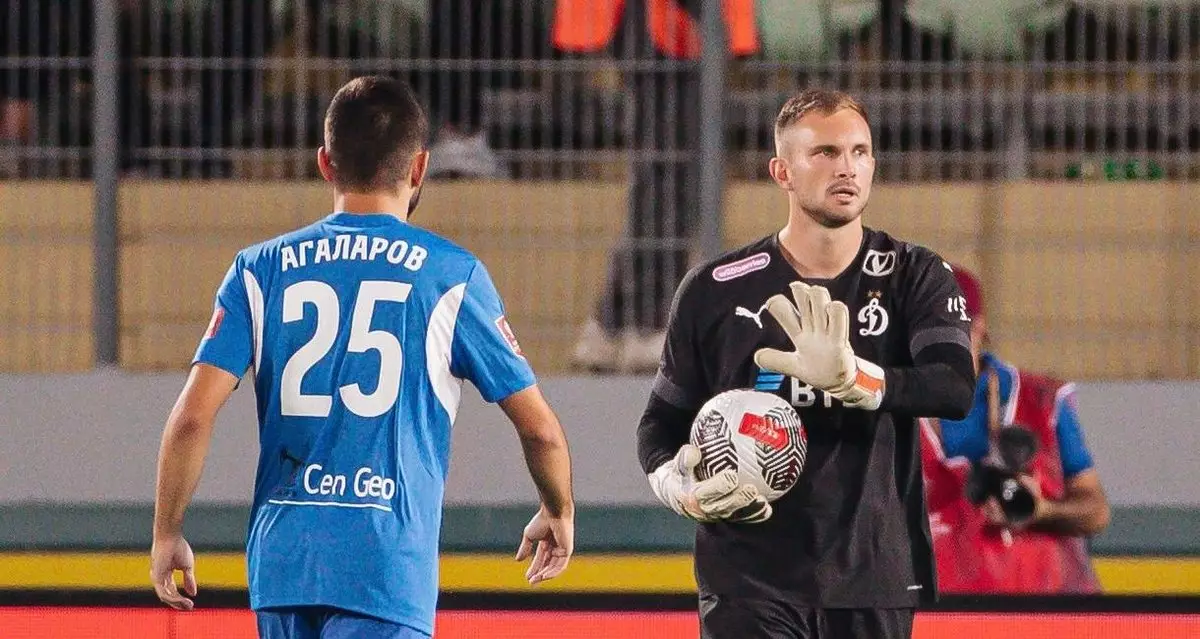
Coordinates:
555	539
820	331
167	555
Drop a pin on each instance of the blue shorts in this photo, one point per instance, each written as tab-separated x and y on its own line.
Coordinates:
324	622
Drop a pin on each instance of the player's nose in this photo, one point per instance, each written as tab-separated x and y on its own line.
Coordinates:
845	167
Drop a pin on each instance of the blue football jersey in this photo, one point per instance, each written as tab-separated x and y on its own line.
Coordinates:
359	331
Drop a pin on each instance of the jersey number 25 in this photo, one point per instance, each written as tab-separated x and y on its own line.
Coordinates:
292	402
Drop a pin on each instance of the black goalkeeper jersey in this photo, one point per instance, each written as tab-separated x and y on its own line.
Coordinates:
853	532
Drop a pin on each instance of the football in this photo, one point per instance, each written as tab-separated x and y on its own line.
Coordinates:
755	433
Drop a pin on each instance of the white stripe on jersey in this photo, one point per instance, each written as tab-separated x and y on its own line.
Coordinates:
290	502
438	342
255	295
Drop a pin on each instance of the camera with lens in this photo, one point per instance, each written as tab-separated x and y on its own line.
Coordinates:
996	475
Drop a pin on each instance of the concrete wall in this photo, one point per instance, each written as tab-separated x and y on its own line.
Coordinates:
93	438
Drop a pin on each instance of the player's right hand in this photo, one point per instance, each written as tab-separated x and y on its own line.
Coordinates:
167	555
555	539
718	498
820	331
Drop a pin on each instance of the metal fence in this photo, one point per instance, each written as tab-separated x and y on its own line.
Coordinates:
988	93
236	88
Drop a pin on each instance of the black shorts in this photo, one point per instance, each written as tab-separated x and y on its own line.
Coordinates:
724	617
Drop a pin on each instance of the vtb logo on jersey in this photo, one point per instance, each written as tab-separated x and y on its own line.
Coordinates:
879	263
798	393
873	317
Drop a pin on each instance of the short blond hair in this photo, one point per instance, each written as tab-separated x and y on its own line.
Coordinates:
823	101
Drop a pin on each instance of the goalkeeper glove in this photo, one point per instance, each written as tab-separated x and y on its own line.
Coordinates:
820	331
718	498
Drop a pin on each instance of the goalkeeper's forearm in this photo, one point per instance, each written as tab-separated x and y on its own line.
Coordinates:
941	384
663	429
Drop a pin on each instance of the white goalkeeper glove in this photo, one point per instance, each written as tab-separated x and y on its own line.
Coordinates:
824	359
718	498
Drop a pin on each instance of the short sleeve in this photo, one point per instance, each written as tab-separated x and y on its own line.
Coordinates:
937	311
1072	448
228	342
485	349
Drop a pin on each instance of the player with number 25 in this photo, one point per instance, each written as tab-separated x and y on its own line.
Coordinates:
357	332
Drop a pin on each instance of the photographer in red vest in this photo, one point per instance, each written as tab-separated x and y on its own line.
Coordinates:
1012	489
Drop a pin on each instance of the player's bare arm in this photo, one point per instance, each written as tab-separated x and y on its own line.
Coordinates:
544	443
185	442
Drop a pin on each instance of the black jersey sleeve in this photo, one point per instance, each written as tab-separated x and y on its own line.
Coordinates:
941	381
679	387
663	429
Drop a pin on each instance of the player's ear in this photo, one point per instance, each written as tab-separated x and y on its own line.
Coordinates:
420	163
781	173
324	164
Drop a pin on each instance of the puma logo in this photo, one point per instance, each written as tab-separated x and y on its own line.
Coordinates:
742	311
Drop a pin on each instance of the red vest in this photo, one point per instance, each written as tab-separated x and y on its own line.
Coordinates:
586	26
975	557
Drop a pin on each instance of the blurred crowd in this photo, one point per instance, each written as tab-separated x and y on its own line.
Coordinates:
200	74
